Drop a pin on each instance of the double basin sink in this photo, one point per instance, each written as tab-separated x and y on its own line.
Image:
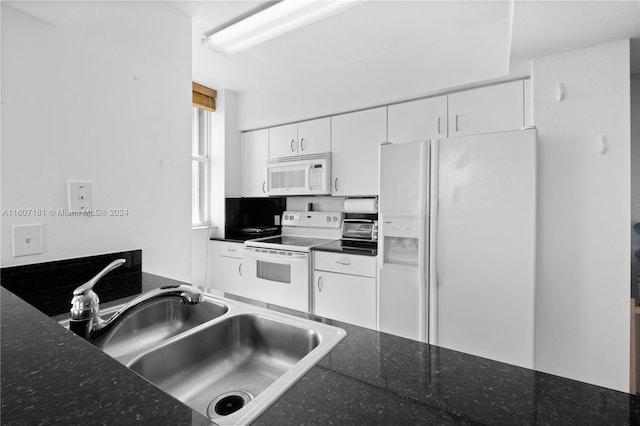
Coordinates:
225	359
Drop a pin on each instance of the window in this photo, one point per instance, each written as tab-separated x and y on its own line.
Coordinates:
201	133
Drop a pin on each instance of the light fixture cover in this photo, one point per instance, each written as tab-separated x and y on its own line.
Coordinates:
284	16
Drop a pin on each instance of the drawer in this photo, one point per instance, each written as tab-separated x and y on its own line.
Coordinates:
230	249
353	264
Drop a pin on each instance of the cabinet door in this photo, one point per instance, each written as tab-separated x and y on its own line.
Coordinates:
487	109
230	275
283	141
355	141
314	136
348	298
418	120
213	268
254	149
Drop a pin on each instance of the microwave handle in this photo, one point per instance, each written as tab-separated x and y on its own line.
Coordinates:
309	177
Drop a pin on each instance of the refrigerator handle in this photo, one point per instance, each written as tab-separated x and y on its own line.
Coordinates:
433	243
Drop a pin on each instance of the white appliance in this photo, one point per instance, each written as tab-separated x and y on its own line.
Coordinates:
277	269
299	175
457	243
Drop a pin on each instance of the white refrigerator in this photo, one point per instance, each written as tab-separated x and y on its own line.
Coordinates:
457	243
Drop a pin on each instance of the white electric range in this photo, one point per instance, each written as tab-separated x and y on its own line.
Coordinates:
277	269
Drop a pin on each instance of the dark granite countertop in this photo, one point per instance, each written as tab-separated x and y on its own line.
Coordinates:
349	247
231	240
50	376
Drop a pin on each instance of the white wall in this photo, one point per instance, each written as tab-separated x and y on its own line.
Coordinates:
225	180
465	56
635	198
635	181
582	300
103	96
225	157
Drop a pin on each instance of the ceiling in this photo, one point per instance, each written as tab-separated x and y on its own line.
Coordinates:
375	36
375	31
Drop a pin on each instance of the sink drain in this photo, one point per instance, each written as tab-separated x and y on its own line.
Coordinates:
228	403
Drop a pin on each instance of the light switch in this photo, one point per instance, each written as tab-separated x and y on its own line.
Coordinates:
80	196
27	239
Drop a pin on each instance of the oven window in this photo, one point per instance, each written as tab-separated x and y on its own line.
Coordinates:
274	271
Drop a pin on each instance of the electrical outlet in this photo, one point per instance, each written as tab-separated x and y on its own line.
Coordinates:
27	239
80	196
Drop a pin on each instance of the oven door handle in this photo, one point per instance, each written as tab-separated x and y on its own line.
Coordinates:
258	254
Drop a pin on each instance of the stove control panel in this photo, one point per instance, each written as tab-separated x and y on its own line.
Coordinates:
313	219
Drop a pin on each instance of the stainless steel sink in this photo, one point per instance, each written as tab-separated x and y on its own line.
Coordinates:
244	353
154	323
225	359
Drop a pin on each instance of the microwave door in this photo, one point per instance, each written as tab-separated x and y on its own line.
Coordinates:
300	175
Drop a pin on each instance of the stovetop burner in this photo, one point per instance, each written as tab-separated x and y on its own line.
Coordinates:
289	240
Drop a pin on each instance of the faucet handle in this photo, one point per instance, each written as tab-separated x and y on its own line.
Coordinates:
88	286
85	303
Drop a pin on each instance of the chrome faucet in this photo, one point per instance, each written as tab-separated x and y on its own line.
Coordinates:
84	318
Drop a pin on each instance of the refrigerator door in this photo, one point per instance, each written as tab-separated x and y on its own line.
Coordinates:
402	240
485	260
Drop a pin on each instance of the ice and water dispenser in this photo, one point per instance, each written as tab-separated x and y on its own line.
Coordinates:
401	241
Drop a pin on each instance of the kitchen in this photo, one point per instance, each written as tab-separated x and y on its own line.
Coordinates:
129	64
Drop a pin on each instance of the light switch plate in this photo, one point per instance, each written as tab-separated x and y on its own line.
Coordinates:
27	239
80	196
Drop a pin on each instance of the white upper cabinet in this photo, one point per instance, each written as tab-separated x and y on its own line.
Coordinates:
355	141
528	103
487	109
254	148
283	141
307	137
418	120
314	136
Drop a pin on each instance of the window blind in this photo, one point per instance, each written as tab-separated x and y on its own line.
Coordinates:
203	97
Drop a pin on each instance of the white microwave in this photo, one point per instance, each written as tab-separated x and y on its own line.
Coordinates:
299	175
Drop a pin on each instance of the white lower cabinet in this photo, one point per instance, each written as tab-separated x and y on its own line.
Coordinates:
231	274
344	288
226	267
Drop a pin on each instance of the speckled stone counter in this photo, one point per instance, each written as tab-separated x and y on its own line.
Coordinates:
50	376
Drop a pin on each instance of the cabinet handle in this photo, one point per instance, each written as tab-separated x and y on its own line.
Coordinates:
293	148
231	249
438	125
320	284
335	184
240	269
343	262
456	122
301	144
263	185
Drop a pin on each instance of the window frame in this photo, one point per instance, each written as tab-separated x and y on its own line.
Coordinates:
203	160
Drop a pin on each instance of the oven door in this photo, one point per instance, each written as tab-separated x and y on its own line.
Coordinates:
277	276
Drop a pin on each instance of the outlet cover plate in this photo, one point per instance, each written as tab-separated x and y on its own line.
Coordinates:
80	196
27	239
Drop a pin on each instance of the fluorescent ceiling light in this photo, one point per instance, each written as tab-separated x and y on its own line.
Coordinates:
284	16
